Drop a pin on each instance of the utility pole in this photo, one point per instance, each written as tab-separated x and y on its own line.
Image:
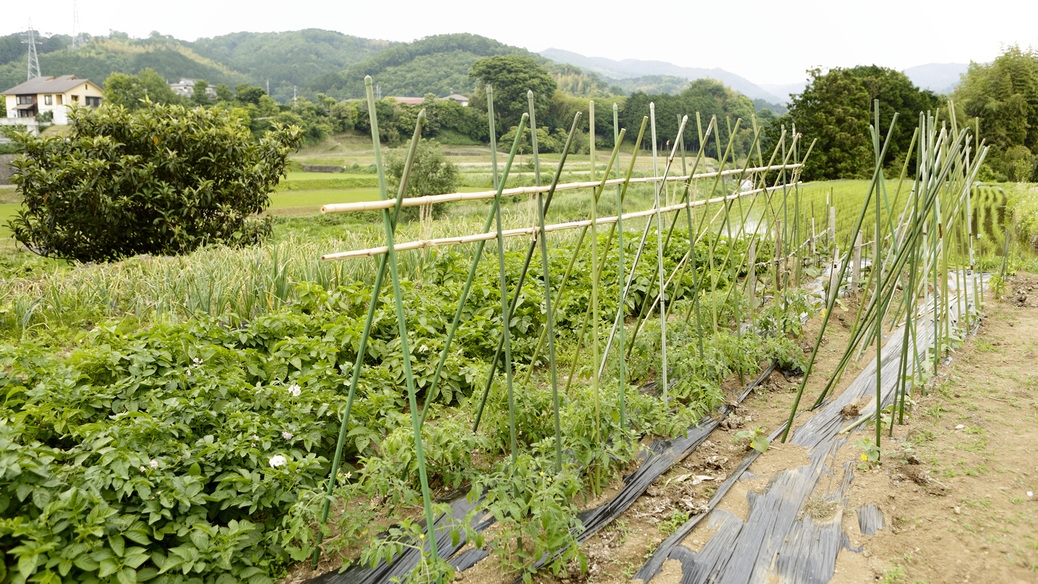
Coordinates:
34	61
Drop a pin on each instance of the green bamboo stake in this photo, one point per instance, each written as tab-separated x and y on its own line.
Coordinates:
369	318
493	133
618	325
596	319
533	141
505	313
545	267
550	325
404	345
659	249
909	328
876	268
504	341
692	239
620	274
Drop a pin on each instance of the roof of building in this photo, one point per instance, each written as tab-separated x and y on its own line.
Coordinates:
409	100
47	85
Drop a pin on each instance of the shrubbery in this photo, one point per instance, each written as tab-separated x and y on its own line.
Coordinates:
161	180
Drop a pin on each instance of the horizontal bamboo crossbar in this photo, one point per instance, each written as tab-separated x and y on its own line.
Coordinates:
516	191
420	244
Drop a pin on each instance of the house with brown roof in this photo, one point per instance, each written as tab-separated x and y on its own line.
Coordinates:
26	102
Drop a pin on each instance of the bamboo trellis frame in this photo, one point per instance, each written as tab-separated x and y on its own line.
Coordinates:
529	231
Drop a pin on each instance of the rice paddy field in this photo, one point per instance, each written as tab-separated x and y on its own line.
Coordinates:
263	414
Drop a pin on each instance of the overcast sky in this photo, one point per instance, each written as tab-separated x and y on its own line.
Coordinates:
767	42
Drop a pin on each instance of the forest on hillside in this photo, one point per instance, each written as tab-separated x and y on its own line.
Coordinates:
305	63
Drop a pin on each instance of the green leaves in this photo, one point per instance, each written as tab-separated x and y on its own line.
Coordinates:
162	180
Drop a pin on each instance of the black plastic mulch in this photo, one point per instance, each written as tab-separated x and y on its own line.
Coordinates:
778	541
661	457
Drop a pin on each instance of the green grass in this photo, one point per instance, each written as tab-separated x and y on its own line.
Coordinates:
7	212
309	202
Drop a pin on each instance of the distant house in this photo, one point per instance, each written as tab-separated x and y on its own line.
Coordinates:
409	100
38	96
186	88
420	100
457	98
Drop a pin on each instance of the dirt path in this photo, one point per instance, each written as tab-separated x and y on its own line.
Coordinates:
958	488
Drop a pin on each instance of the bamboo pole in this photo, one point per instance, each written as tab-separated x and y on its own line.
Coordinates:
506	315
519	191
368	320
519	284
493	135
596	319
659	249
620	274
536	154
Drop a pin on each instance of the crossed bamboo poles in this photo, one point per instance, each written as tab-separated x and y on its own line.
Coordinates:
387	260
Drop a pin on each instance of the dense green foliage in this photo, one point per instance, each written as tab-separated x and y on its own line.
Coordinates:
836	109
511	77
1003	95
162	180
195	452
130	91
706	96
290	59
437	64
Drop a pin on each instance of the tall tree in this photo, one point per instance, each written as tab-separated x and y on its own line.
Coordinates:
130	91
1004	96
201	95
246	93
511	76
836	109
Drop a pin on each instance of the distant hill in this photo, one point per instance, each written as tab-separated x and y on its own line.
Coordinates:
786	89
437	64
617	71
281	61
102	56
287	60
937	77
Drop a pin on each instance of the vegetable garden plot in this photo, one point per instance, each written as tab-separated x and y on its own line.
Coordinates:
706	223
199	450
